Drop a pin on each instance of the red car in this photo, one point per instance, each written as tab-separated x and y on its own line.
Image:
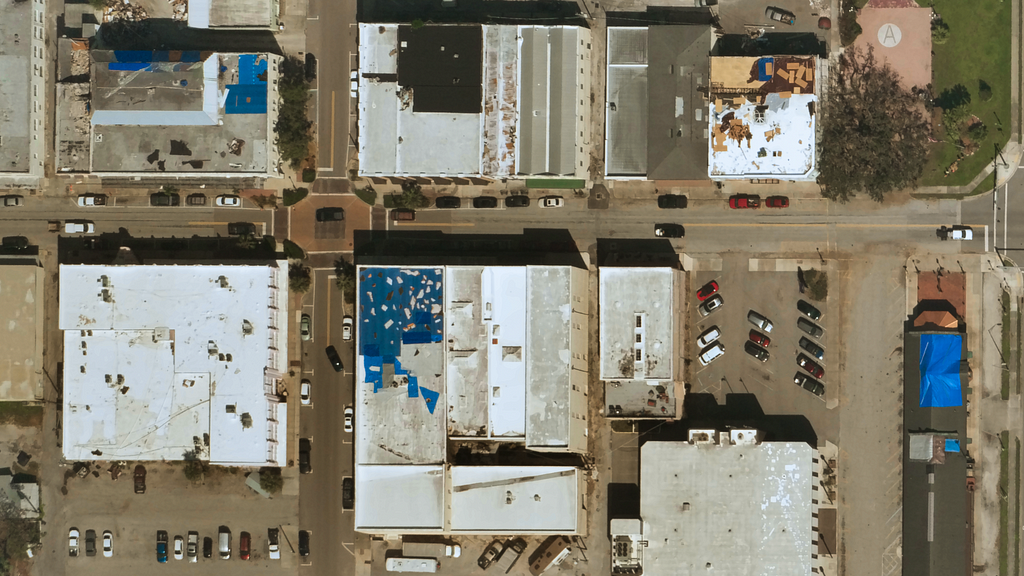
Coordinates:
760	339
776	202
810	365
243	546
707	290
740	201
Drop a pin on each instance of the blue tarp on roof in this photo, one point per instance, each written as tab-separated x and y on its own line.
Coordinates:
246	99
762	69
952	445
940	370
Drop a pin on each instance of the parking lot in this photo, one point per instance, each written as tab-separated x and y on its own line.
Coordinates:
466	564
173	504
772	290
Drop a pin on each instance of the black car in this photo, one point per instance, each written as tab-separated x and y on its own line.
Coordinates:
669	230
485	202
806	309
332	355
809	327
756	351
15	242
517	201
310	67
303	543
242	229
305	447
90	542
164	199
207	547
810	384
671	201
330	214
448	202
815	350
347	493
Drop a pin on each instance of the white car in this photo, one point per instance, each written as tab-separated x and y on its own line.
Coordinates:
305	390
91	200
346	328
179	548
348	419
453	550
354	79
552	202
228	201
80	227
10	201
709	336
711	354
108	543
73	542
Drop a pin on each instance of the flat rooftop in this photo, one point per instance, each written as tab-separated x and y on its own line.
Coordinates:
21	316
728	509
627	102
232	13
548	86
15	91
637	321
182	112
762	117
164	360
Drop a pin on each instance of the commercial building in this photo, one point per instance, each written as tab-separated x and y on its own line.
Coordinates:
726	502
183	114
233	14
161	362
21	365
640	341
465	377
23	67
473	101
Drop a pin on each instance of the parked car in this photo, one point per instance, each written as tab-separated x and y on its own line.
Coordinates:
354	84
453	550
140	479
90	542
12	201
403	215
709	336
79	227
759	339
671	201
228	201
304	326
811	366
812	348
776	202
348	496
330	214
108	544
810	384
165	199
195	200
161	546
517	201
179	547
332	355
513	550
761	322
305	447
707	290
241	229
346	328
489	556
780	15
305	392
552	202
809	327
348	419
303	543
73	542
90	200
669	230
485	202
14	242
448	202
755	351
714	352
710	305
192	550
741	201
807	310
244	541
207	547
273	545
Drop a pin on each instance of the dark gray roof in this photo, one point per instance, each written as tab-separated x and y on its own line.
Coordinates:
443	66
677	144
944	499
547	100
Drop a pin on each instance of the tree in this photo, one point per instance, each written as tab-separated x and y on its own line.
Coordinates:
874	136
194	469
411	197
271	480
293	125
940	32
300	278
984	91
345	278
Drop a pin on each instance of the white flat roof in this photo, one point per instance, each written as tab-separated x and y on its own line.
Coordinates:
548	367
732	509
161	360
515	499
401	497
625	294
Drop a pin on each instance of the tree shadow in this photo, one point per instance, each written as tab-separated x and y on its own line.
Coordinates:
953	97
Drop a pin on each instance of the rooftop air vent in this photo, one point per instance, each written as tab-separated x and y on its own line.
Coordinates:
230	408
246	328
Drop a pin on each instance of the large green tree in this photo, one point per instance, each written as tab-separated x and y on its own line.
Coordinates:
873	131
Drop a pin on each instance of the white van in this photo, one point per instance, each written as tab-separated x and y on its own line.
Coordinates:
709	336
412	565
225	543
711	354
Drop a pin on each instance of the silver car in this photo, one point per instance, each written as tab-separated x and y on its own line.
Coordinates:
760	321
710	305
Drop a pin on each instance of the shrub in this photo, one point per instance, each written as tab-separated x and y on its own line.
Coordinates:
367	194
345	278
411	197
978	132
940	32
293	250
300	277
271	480
294	195
308	175
817	285
984	91
849	29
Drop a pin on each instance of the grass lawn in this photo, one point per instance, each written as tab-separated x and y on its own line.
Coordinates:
978	49
21	414
1006	345
1004	480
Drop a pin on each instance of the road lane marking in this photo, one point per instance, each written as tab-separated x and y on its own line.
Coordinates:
405	224
332	129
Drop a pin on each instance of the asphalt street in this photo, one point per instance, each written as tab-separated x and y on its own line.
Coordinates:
999	212
332	36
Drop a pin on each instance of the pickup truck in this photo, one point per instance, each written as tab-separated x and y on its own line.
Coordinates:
161	546
89	200
80	227
955	233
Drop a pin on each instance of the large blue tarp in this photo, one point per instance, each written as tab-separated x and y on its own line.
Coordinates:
762	69
940	370
952	445
246	99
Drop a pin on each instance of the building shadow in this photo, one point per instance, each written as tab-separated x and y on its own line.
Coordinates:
636	252
546	12
546	246
122	248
